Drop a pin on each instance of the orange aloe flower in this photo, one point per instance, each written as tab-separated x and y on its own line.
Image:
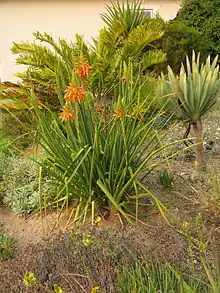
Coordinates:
83	69
66	114
124	77
74	93
131	81
141	118
99	110
120	113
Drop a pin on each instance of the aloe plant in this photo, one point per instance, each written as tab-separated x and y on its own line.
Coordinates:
95	155
191	95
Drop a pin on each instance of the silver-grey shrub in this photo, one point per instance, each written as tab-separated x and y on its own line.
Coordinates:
20	185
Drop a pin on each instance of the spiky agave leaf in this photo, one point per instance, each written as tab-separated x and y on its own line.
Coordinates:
194	91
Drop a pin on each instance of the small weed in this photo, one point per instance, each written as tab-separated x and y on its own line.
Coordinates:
95	289
165	179
57	289
30	280
7	246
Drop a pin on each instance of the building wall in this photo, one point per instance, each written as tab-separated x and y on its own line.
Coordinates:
19	19
167	9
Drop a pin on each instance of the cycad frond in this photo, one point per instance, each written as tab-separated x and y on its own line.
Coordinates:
105	44
43	60
37	56
142	36
152	57
130	15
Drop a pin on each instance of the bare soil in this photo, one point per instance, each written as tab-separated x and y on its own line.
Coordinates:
31	229
57	255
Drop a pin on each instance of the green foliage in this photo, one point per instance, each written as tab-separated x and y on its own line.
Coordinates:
126	16
16	130
16	120
165	179
193	92
157	278
7	246
44	59
98	157
205	16
20	184
191	95
180	40
12	96
128	34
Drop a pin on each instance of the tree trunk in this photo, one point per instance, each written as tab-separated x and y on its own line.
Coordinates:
200	155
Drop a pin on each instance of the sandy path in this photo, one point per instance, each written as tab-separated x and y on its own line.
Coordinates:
30	229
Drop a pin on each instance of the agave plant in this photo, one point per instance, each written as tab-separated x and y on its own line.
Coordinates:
191	95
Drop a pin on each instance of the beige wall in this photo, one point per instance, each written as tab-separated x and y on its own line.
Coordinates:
19	19
167	9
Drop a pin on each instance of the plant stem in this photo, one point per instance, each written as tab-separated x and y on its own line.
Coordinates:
200	156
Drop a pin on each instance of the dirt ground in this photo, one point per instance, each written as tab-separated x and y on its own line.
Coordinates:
31	229
54	257
46	247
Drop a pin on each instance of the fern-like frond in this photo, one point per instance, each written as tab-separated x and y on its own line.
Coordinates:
142	36
130	15
152	57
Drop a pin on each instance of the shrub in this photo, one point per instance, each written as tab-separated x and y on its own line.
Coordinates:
204	16
20	185
128	33
180	40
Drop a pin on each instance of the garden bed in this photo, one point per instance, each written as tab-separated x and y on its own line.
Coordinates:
57	256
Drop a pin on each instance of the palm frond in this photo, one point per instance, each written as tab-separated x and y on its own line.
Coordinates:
129	15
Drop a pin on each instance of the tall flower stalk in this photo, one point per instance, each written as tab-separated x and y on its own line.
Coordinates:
98	155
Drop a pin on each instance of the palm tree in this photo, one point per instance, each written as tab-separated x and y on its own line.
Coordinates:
191	95
128	35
